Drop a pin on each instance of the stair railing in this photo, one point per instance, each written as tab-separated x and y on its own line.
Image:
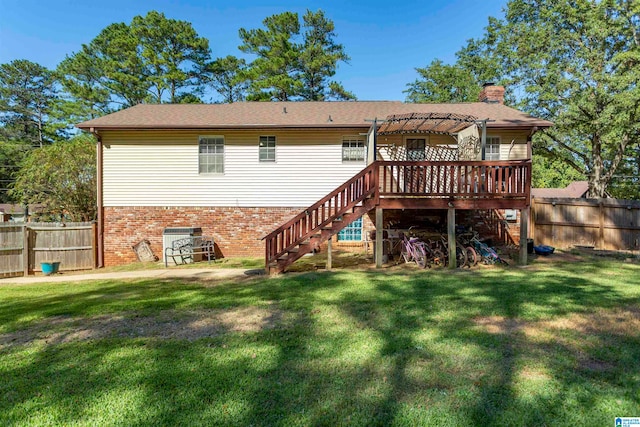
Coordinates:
335	204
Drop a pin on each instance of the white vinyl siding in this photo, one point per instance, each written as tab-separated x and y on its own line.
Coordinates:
211	154
353	149
157	168
267	149
515	152
513	145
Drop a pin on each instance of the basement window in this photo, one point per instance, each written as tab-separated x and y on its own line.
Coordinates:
352	232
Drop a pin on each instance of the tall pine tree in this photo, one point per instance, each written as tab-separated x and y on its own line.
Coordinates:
294	61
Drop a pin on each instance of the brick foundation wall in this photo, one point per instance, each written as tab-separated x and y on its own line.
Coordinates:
236	231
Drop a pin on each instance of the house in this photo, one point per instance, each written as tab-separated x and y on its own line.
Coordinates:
18	213
252	174
575	190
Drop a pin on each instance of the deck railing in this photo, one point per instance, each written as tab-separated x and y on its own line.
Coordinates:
462	179
441	179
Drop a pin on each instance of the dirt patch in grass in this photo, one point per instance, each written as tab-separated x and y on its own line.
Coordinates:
579	335
582	338
529	373
620	321
168	324
624	321
498	324
558	256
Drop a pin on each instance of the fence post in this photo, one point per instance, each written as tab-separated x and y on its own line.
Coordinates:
94	246
532	219
524	224
601	225
25	250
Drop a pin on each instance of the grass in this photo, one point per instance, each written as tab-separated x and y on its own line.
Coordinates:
552	344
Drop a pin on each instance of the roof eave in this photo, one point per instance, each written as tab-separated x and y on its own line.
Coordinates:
523	125
365	125
238	127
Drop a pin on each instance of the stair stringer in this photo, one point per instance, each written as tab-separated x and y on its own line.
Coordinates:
325	233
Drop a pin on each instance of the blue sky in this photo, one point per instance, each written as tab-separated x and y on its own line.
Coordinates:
386	40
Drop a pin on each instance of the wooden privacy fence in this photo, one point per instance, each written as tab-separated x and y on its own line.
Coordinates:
24	246
608	224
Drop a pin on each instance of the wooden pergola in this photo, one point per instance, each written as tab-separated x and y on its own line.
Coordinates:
438	123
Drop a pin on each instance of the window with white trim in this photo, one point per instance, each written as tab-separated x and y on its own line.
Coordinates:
492	148
416	149
353	149
211	154
352	232
267	149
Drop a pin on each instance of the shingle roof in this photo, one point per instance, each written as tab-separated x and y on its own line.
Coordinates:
576	189
297	114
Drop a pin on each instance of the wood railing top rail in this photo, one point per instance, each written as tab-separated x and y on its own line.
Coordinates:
456	163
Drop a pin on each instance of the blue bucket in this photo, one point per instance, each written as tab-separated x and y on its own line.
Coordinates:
50	267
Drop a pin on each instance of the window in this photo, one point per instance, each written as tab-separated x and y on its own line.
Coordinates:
416	149
267	149
353	149
352	232
211	154
492	149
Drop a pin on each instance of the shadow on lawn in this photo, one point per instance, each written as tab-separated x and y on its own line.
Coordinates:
468	347
585	375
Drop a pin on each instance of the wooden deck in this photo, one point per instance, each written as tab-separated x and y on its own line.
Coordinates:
400	185
461	185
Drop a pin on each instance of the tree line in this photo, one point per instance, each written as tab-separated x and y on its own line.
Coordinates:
153	59
574	62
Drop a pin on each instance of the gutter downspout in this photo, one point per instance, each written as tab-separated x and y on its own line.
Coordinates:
99	200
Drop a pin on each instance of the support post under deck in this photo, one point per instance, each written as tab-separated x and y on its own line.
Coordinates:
451	235
379	236
524	234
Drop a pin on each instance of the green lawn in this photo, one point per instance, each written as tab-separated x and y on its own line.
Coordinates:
551	344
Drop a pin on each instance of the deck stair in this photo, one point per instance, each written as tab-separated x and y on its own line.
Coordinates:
389	184
491	225
308	229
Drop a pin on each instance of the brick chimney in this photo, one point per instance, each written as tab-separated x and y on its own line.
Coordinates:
491	94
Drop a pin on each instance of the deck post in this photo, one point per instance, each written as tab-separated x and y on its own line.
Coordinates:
451	235
483	141
329	258
524	234
379	236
